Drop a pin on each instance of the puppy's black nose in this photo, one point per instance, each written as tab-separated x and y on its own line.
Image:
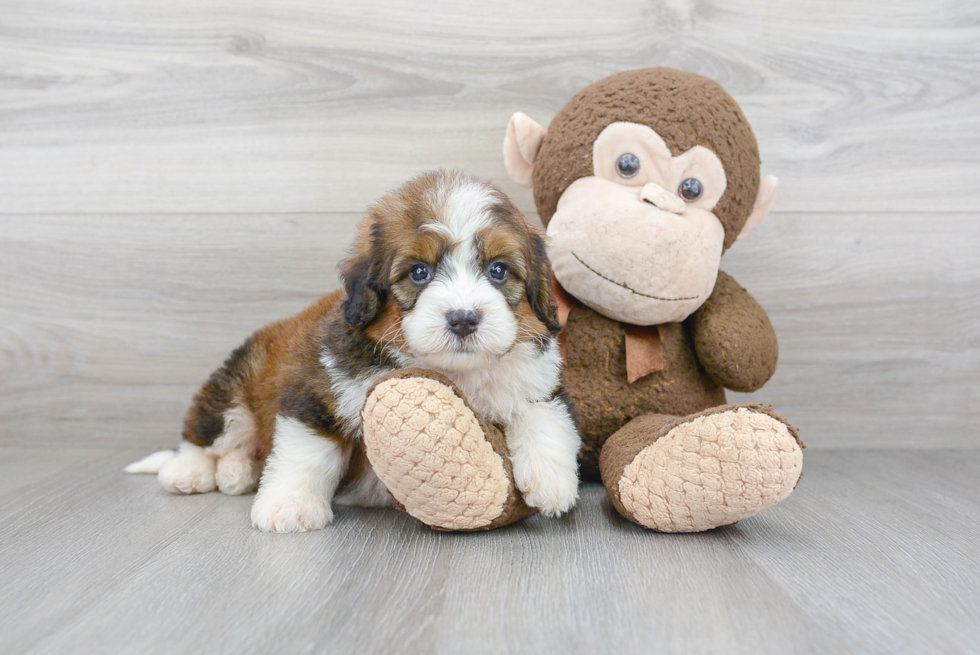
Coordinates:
463	321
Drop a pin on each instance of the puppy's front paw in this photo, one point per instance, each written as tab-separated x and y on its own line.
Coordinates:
290	512
549	486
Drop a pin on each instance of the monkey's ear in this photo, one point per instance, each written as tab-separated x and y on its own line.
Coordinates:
763	202
539	292
364	293
521	144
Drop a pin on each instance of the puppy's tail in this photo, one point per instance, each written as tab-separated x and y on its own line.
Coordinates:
151	463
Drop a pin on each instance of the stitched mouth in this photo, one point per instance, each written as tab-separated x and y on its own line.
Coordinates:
627	287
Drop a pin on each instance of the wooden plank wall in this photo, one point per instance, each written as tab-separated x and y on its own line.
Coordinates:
174	174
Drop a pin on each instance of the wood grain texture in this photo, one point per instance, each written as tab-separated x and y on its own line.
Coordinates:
109	323
877	320
854	550
874	553
244	106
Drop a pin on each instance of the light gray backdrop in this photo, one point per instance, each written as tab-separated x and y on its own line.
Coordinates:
174	174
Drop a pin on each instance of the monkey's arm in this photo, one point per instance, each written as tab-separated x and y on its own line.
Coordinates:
733	337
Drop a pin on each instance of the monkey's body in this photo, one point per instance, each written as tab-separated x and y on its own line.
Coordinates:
596	376
620	420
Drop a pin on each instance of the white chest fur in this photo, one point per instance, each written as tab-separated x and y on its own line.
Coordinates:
351	391
524	375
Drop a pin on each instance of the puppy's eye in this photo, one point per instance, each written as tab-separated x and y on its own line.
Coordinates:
497	272
690	189
628	165
420	274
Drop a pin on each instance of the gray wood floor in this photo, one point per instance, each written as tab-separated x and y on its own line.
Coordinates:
874	553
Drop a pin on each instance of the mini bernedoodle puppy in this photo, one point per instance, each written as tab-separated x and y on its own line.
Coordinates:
446	275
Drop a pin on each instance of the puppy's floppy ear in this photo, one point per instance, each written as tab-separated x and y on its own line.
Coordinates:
362	281
539	293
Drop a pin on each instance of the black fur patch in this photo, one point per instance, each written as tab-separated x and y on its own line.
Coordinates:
353	351
306	405
205	421
560	394
539	287
365	296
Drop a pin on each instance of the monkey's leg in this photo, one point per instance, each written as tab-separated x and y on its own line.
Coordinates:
441	462
698	472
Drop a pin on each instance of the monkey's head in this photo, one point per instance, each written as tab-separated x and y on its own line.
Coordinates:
642	180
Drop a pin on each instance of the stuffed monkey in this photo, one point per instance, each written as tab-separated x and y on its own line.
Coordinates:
643	180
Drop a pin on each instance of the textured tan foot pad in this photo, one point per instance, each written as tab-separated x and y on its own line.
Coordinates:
428	448
711	471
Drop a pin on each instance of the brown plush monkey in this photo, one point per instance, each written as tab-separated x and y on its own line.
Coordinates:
643	180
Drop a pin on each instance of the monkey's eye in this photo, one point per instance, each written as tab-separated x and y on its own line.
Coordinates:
420	274
690	189
628	165
497	272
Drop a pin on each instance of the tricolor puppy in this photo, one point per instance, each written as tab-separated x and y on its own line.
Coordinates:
446	274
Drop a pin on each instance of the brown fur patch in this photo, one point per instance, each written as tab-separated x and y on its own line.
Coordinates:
260	375
530	327
506	245
386	331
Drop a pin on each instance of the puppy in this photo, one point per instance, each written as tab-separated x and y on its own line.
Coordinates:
446	274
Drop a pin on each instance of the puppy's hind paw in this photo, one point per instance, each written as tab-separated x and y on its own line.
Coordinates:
190	472
237	474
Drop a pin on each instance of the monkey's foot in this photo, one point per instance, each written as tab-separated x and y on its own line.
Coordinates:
703	471
441	463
